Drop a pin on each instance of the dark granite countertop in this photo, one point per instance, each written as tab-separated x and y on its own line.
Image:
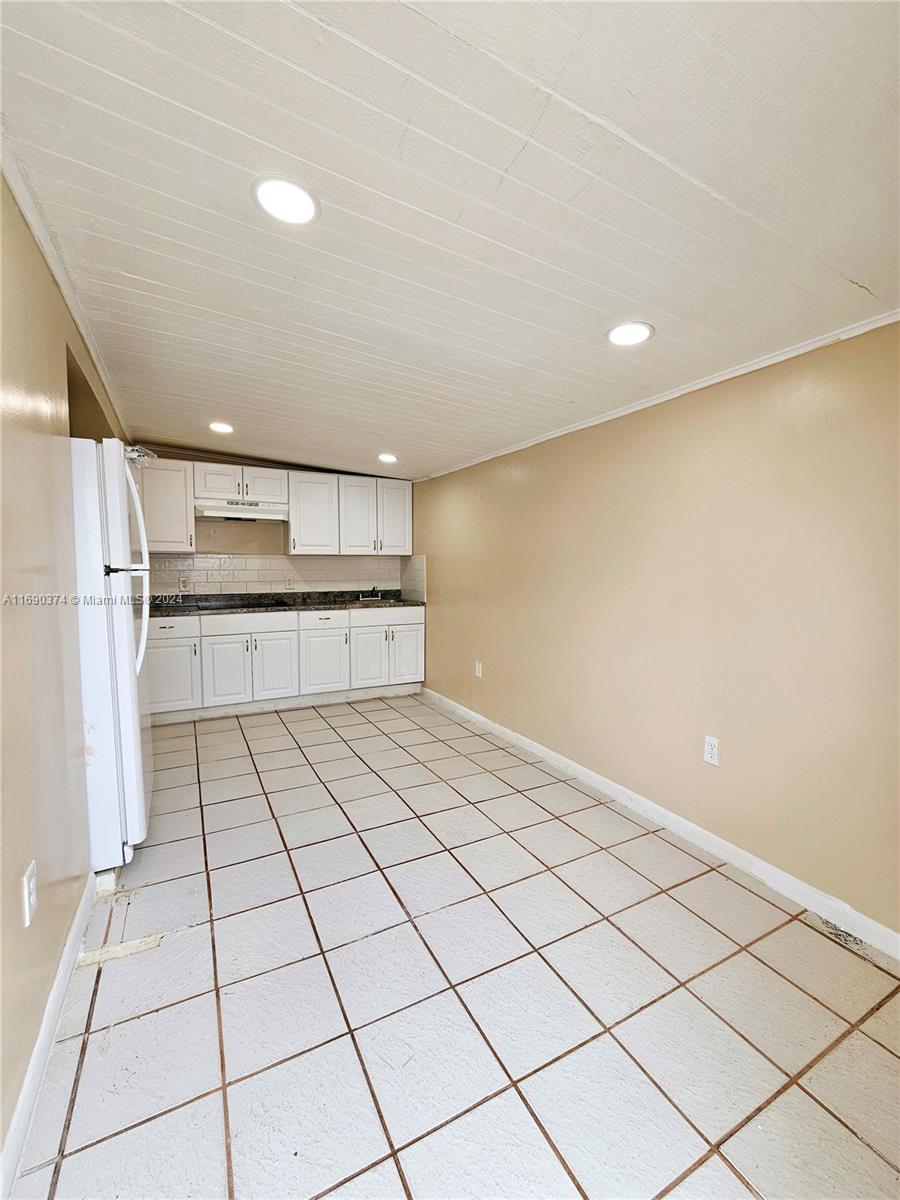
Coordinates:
249	602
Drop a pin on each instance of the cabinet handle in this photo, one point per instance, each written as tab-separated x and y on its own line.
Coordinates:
190	539
167	626
246	488
195	649
385	635
255	644
374	547
247	645
293	543
346	638
380	544
392	635
239	487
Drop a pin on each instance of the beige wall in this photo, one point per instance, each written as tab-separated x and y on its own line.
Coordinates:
44	815
724	563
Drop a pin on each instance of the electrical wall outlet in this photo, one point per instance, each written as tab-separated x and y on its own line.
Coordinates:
711	750
479	668
29	893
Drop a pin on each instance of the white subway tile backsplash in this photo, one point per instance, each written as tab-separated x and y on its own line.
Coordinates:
223	573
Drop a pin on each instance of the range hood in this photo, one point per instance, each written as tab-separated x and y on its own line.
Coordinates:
241	510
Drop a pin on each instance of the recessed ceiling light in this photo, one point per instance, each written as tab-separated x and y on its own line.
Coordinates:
387	458
286	201
221	427
632	333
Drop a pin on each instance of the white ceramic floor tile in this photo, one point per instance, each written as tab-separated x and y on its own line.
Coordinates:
777	1017
456	768
756	885
225	768
341	768
244	842
174	776
235	787
370	812
471	937
614	1129
232	813
829	972
560	798
154	864
494	1151
391	844
287	777
315	825
513	812
387	760
248	884
354	909
431	883
179	1154
431	798
357	787
497	860
42	1142
172	827
280	1013
177	798
378	1183
407	777
180	965
459	826
74	1012
162	907
139	1068
732	909
273	741
677	939
270	760
794	1148
713	1076
324	752
544	908
375	743
304	1126
612	976
300	799
430	751
34	1185
884	1026
711	1181
332	861
527	1014
494	760
605	882
483	786
711	860
523	776
427	1064
553	842
379	974
262	939
860	1082
603	826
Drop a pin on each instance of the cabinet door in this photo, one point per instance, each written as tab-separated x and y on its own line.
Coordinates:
369	656
313	513
227	671
173	667
274	665
266	483
407	653
167	498
217	481
359	514
324	660
394	516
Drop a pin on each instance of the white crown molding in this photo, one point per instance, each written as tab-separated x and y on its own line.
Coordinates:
25	198
836	911
757	364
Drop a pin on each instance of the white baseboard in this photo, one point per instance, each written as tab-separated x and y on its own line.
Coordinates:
838	912
388	691
37	1064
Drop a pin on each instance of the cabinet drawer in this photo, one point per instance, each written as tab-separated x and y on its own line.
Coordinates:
414	615
335	619
264	622
173	627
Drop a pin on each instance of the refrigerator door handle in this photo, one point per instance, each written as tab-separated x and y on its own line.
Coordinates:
142	568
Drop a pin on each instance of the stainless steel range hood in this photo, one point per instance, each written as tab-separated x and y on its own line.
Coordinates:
240	510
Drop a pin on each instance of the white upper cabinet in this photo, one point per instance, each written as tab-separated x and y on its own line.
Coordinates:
394	516
167	498
267	484
217	481
313	526
358	514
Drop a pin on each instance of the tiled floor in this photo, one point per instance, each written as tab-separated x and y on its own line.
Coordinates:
374	952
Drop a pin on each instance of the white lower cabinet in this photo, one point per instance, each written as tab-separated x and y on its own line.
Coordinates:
274	665
173	667
227	669
369	656
324	660
407	658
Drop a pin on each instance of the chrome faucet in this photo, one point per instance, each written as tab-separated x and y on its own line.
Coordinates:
371	594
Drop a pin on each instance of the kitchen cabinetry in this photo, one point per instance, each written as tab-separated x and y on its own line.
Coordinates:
167	498
275	665
225	481
407	653
173	666
313	513
358	514
324	660
387	646
227	669
369	656
394	516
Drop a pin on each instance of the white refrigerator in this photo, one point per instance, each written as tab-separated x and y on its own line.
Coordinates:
112	568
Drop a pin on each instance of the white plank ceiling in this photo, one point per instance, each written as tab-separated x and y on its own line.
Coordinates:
499	183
